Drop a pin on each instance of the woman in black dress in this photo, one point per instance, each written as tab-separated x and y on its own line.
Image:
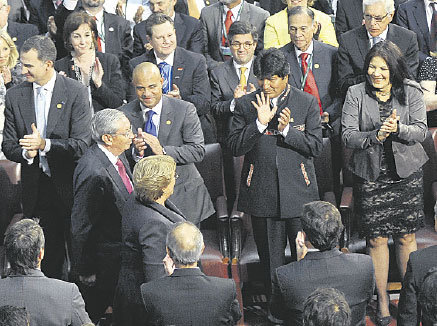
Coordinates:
384	121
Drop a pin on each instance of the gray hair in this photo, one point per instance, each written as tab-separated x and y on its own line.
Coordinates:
105	122
184	243
299	10
388	4
43	45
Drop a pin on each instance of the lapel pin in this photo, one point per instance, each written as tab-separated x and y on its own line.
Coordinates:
316	65
14	39
291	120
168	122
180	68
111	29
59	105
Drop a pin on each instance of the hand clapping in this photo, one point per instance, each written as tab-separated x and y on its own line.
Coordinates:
265	115
390	125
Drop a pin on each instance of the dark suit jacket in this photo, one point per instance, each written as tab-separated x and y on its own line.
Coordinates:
68	128
224	80
412	16
181	136
190	75
421	261
188	34
194	298
182	5
212	20
349	15
351	274
21	32
354	46
41	10
112	91
271	162
49	302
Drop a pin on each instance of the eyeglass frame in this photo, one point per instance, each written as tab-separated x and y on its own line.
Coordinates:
246	45
126	134
377	19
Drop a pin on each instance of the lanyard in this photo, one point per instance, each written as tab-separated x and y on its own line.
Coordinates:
225	34
303	79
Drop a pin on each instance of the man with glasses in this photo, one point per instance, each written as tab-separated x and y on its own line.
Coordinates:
355	44
102	183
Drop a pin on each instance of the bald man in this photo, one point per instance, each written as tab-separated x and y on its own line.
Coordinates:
169	126
209	300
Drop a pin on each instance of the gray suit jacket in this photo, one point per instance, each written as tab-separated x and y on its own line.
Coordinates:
212	20
181	136
49	302
361	121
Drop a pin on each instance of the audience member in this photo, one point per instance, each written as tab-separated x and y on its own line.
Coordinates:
145	224
351	274
47	129
184	73
194	298
13	316
48	302
420	262
192	8
39	13
171	127
428	298
355	44
188	29
327	307
217	19
277	34
384	122
349	16
428	80
102	184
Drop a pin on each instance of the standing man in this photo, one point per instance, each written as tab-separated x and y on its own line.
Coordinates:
102	184
47	129
171	127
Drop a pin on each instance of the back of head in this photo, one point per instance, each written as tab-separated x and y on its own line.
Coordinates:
43	45
184	244
428	297
326	307
105	122
269	63
321	222
13	316
23	243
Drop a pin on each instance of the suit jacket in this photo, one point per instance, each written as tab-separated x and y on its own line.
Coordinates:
196	299
190	75
351	274
349	15
41	10
421	261
68	128
412	16
361	121
182	5
181	137
21	32
112	91
49	302
270	162
355	44
188	34
224	79
212	22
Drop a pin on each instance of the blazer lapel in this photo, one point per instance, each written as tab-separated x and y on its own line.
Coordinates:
320	66
56	105
166	121
231	75
28	111
363	42
178	68
109	31
218	17
371	106
137	116
419	13
252	78
167	212
296	72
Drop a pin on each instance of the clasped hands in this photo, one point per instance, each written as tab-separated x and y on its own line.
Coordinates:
240	91
32	143
390	125
265	115
144	140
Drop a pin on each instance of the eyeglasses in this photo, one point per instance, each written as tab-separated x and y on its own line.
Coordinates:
127	134
378	19
246	45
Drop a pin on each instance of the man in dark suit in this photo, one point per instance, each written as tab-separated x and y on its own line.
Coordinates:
355	44
420	262
173	129
349	15
184	72
47	301
278	145
352	274
183	7
102	184
188	29
40	11
194	298
47	129
216	44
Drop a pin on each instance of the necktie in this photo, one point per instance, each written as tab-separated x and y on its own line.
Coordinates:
228	23
375	40
165	70
243	81
150	127
310	83
41	124
433	28
124	176
193	10
99	40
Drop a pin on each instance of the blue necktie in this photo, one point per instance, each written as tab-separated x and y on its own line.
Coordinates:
150	127
165	70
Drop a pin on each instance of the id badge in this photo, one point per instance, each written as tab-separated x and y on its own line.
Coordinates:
225	50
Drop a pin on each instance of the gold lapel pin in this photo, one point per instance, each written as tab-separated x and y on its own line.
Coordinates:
168	122
291	120
14	39
59	106
316	65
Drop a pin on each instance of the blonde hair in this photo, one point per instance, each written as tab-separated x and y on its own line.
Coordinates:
13	56
151	175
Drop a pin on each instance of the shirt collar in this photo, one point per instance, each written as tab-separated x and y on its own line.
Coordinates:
157	108
99	15
234	10
247	65
309	50
169	60
111	157
49	85
383	35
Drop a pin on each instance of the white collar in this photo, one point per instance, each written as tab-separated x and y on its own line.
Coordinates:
309	50
247	65
234	10
382	36
49	85
99	15
111	157
169	60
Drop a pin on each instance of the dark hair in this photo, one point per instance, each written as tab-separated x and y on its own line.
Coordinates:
299	10
73	22
23	243
13	316
428	296
184	243
43	45
397	66
156	19
242	27
269	63
326	307
321	222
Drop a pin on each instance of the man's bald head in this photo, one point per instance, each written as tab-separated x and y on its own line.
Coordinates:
185	244
147	81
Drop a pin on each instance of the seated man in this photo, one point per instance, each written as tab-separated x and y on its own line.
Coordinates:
47	301
352	274
428	298
194	298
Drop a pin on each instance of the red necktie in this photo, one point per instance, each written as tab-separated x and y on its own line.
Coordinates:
124	176
99	40
228	23
310	84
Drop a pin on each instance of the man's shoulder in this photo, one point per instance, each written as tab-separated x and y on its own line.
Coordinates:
257	10
326	48
211	9
409	5
188	21
223	68
353	34
69	84
129	107
189	56
23	28
401	32
115	19
181	105
424	255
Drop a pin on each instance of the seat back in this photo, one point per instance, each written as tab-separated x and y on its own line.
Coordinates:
324	173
